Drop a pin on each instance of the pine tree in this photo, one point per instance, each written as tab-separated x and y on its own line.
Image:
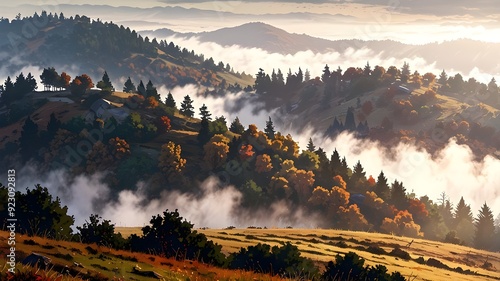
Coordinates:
129	86
443	78
105	83
204	113
270	129
326	74
169	101
350	123
307	75
204	134
29	140
382	187
151	91
368	70
236	127
187	108
462	212
53	125
310	145
485	228
141	89
398	195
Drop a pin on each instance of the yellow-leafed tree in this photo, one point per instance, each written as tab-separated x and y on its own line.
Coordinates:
263	163
216	151
171	163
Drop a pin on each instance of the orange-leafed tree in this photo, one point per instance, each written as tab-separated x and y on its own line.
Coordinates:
246	152
302	182
151	102
340	181
351	218
119	148
263	164
402	224
163	124
319	197
64	80
216	151
170	162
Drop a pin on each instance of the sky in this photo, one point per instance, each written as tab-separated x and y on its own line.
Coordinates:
408	21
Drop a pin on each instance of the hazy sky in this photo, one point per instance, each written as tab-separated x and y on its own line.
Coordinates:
409	21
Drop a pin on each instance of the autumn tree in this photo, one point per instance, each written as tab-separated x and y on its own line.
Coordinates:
263	163
151	102
64	80
163	124
485	229
187	108
246	152
429	78
216	151
129	86
308	160
351	218
170	162
119	148
99	158
402	224
81	84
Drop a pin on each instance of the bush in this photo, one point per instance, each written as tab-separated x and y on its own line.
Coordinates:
351	267
284	261
172	236
397	252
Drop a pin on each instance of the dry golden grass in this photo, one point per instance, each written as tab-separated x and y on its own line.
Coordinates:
117	264
321	245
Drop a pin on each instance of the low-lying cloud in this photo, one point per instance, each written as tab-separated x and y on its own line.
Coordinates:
250	60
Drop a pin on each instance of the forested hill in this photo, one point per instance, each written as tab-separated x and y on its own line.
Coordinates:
88	46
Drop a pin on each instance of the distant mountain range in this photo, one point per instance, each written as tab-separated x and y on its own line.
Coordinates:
459	55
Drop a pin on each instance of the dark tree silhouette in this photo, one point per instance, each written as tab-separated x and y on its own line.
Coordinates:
129	86
485	229
169	101
187	107
269	130
236	127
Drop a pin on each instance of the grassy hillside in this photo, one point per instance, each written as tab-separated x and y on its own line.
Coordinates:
322	245
112	264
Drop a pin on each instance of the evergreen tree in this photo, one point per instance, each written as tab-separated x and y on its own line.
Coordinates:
405	72
270	129
462	212
350	123
151	91
169	101
53	125
443	78
204	134
279	78
29	140
187	108
367	70
335	163
326	74
485	229
307	75
105	83
358	178
382	187
398	195
129	86
310	145
300	76
204	113
236	127
141	89
8	91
